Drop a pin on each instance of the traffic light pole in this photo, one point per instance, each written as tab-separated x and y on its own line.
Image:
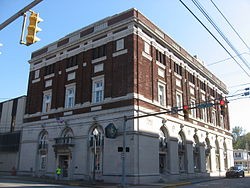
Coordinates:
19	13
23	27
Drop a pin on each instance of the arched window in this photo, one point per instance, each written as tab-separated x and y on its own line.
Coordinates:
67	136
42	151
43	140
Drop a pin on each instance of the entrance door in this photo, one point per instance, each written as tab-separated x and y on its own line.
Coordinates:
64	164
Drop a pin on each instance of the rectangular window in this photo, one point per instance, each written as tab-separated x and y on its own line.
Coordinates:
146	47
119	44
213	118
70	97
47	101
191	78
161	94
193	110
71	62
202	86
178	69
49	69
98	90
222	121
160	57
178	100
37	73
99	52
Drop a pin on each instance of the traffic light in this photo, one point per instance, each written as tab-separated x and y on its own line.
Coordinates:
31	37
222	107
186	112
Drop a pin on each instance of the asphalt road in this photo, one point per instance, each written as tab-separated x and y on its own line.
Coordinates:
222	183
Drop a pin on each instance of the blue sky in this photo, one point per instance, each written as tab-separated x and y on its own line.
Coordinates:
62	17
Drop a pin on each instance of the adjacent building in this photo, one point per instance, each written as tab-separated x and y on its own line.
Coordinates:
241	158
11	120
88	87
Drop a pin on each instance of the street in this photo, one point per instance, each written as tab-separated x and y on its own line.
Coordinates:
225	183
215	183
24	183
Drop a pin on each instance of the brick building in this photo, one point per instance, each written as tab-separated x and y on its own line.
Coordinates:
81	87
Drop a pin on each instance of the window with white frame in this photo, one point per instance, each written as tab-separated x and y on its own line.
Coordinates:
70	97
204	114
178	99
161	94
222	121
146	47
43	141
213	118
193	110
119	44
47	101
98	90
37	73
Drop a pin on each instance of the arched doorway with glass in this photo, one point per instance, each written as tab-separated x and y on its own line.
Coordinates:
196	153
96	140
163	151
182	152
208	155
63	148
42	153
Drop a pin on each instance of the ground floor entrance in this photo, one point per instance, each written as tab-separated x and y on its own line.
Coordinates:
63	163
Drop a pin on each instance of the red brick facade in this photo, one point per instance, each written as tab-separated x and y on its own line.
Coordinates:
128	73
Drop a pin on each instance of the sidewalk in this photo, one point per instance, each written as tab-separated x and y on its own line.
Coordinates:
113	185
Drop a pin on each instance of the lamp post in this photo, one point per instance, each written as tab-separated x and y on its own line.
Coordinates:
95	136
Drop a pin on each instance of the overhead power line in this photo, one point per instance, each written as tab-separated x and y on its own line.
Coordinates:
214	63
230	24
213	36
205	13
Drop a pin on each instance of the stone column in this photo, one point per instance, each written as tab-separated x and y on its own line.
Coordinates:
202	157
213	159
221	158
189	157
173	155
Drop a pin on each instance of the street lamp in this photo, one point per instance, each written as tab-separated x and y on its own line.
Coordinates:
95	136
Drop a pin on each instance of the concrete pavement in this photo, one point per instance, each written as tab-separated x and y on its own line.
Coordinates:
176	183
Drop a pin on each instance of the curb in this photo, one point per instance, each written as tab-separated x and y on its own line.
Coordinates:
177	184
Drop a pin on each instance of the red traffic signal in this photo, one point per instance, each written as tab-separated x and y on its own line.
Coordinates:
222	107
222	102
186	112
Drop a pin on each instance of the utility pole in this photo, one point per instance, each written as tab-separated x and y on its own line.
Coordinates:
247	148
19	13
